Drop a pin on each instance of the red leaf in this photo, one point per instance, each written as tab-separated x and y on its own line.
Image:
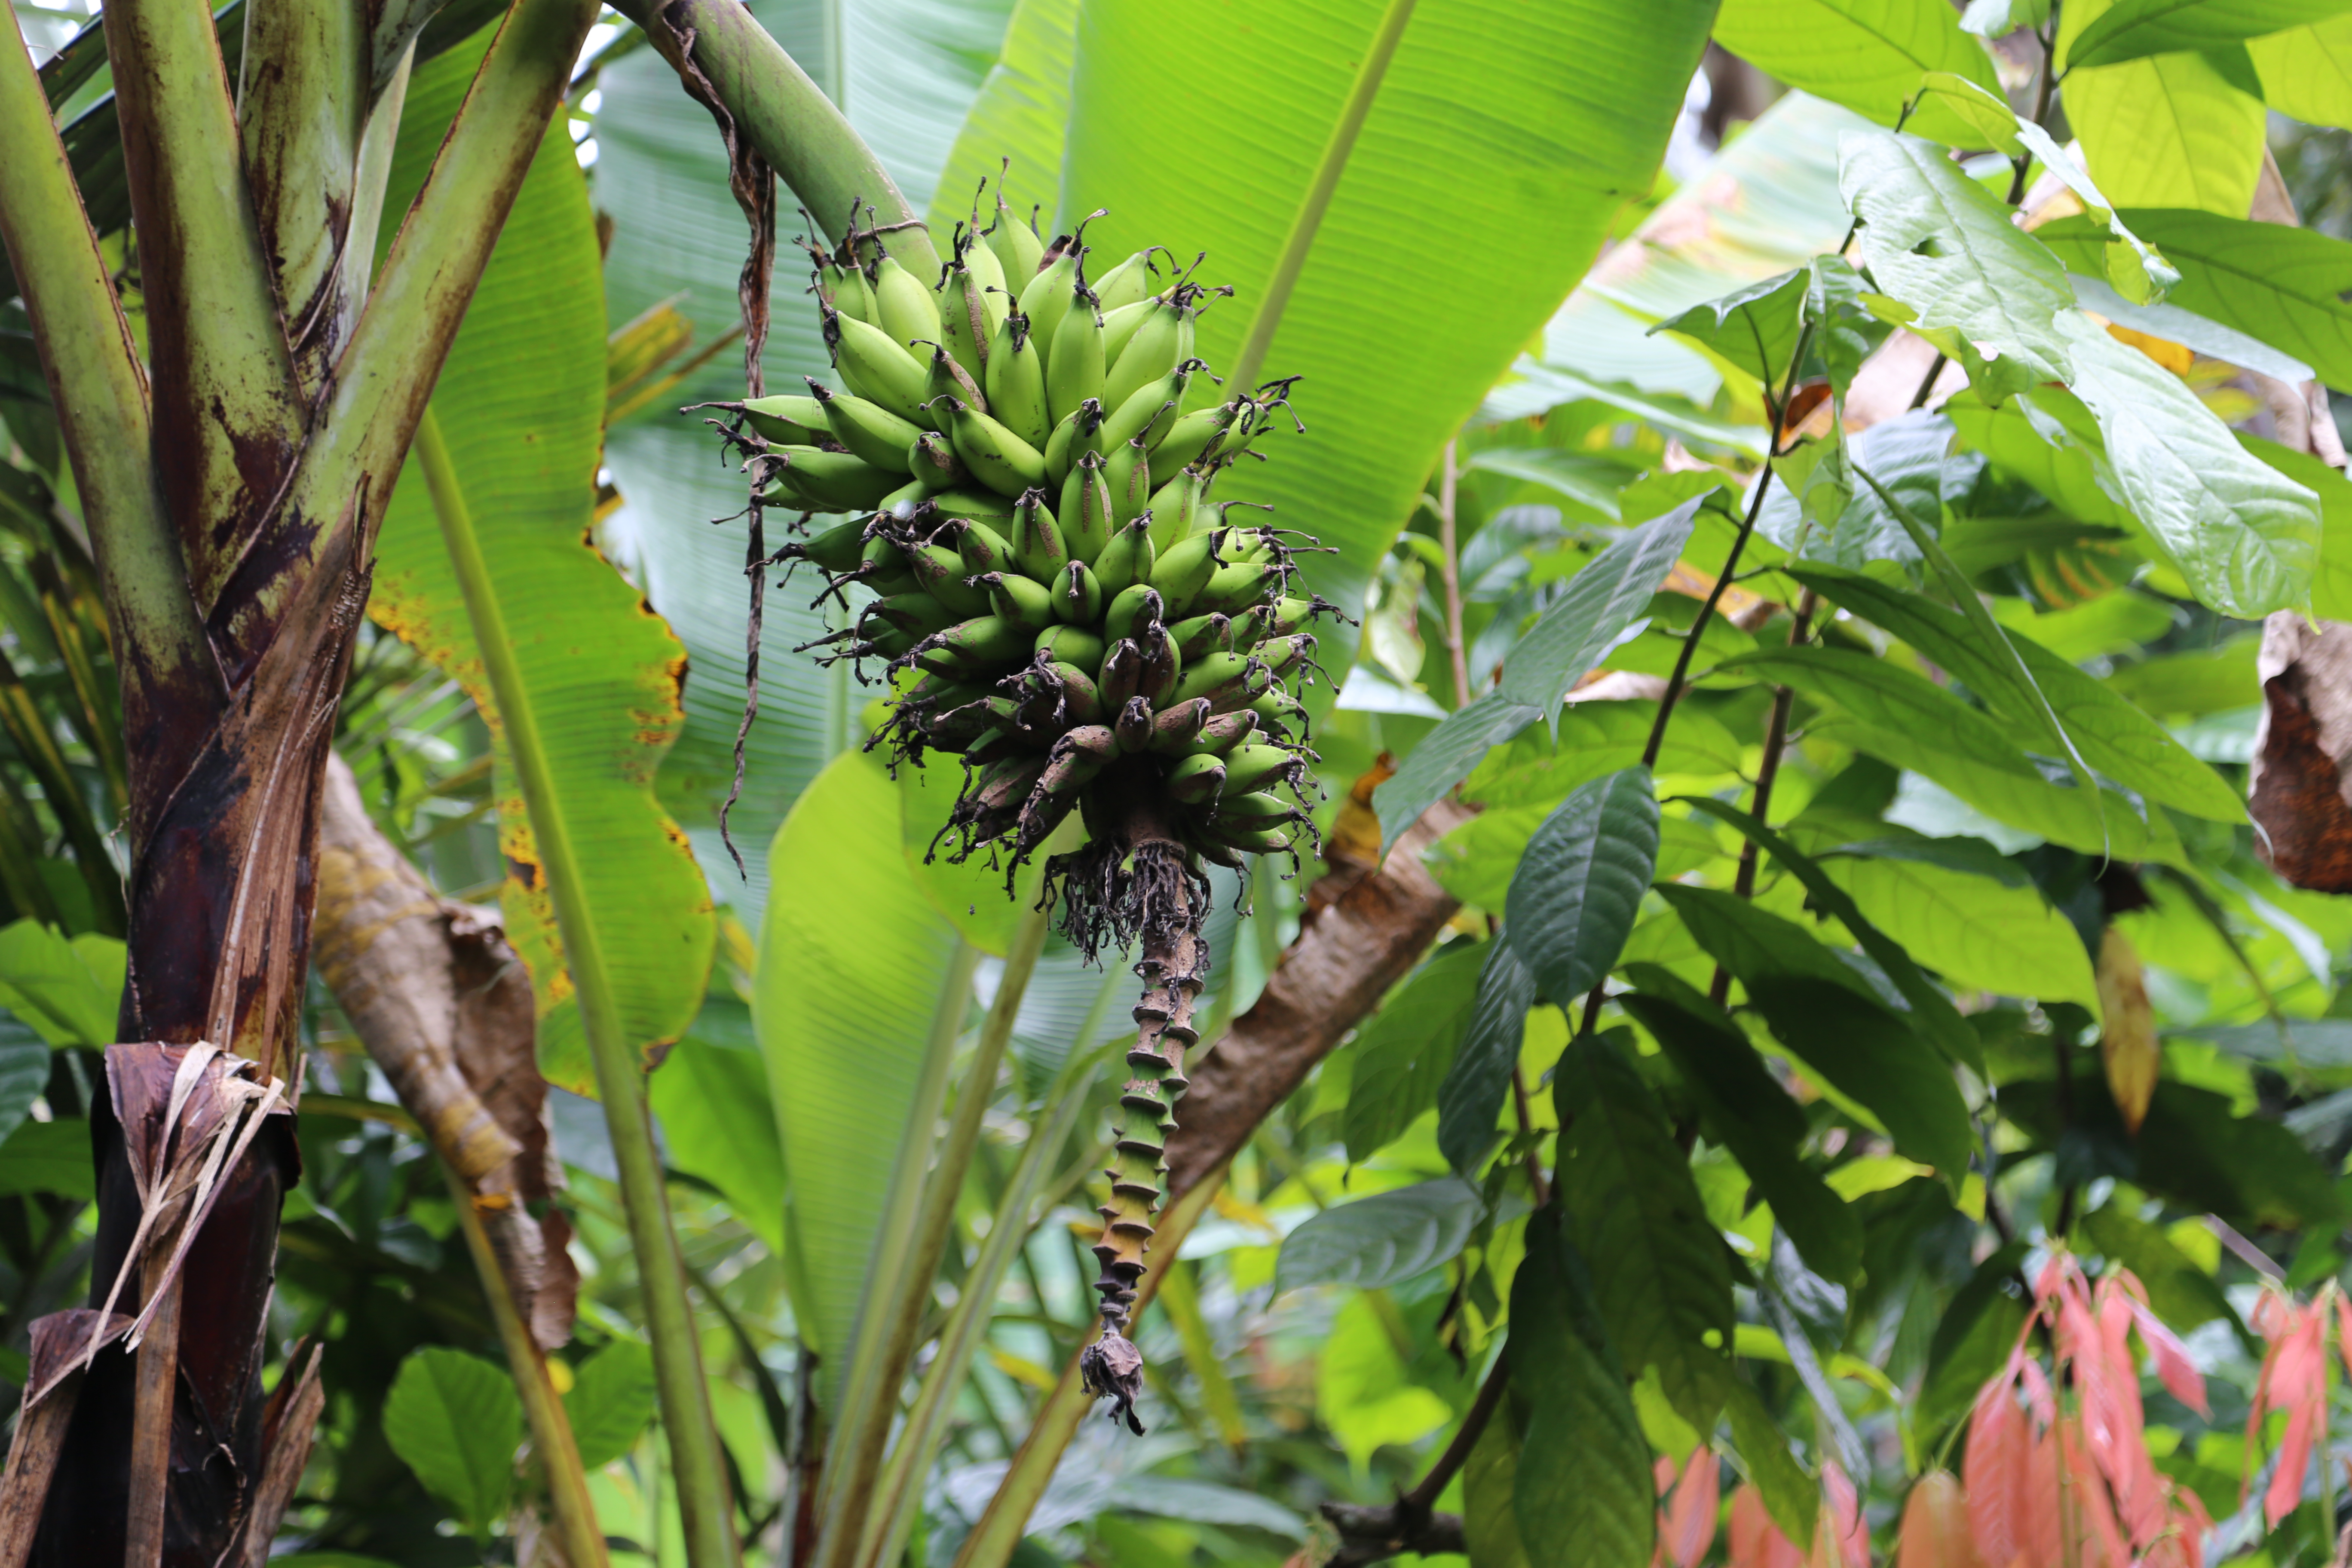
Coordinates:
1756	1541
2181	1379
1935	1530
1686	1525
1998	1463
1841	1518
2094	1518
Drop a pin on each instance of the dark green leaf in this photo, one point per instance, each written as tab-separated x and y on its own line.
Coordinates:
2133	29
1911	455
2304	1042
1601	603
1581	883
1402	1052
1626	1186
1790	1496
720	1126
1931	1010
1490	1524
1471	1096
1582	1492
49	1157
1749	1113
1972	856
1887	697
1871	1055
1444	758
24	1060
455	1419
1973	1338
610	1401
66	988
1754	328
1381	1240
2183	1295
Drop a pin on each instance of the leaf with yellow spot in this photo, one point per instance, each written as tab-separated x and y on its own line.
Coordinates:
2127	1043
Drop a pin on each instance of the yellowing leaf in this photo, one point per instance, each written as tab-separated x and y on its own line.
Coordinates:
2127	1043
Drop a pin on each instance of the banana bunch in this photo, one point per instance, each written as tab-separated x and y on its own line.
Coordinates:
1057	597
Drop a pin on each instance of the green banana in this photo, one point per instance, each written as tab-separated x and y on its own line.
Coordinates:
1130	477
1255	807
1221	732
1133	725
1163	665
1149	411
882	567
918	613
931	458
1046	297
817	480
1176	726
1183	569
787	419
837	550
980	548
1250	840
903	306
1078	646
1085	514
964	722
1122	670
1081	698
875	368
1127	283
1120	326
1136	606
1015	240
1077	597
1017	598
1036	538
942	574
997	457
978	506
1249	767
1234	588
844	289
1075	436
946	381
1197	437
1127	558
987	271
1283	616
1176	510
871	431
1148	355
972	648
1074	364
965	329
1205	634
1017	381
1197	778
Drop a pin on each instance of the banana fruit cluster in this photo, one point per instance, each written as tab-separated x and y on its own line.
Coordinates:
1026	457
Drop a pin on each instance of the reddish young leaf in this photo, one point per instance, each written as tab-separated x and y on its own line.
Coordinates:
1687	1524
2293	1378
1842	1522
1756	1541
2179	1374
2085	1506
1998	1463
1935	1529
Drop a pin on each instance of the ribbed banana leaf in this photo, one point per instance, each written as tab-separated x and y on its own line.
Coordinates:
906	70
1020	115
1503	138
522	404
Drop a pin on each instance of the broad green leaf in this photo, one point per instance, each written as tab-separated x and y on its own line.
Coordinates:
2025	441
1401	1053
67	988
2245	536
1490	1525
610	1401
2184	1296
909	71
1790	1496
1580	883
1363	1386
1746	940
1384	1239
25	1061
1665	1290
1754	328
712	1102
2141	273
1596	738
1580	1489
1020	113
1444	758
2173	129
1930	1009
521	403
2206	679
2306	72
1526	128
1974	930
1983	113
1886	696
49	1157
2171	322
1975	1337
2281	286
1868	54
2113	737
1945	248
1601	605
1471	1097
2248	1169
1748	1113
456	1420
2331	580
1843	520
876	968
2133	29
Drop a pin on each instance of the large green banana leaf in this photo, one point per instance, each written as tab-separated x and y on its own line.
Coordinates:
1018	117
905	70
521	403
1503	138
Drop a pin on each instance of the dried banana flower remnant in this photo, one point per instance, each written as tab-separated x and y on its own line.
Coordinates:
1026	456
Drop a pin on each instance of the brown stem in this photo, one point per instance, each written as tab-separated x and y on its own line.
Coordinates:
1448	474
1776	741
158	1376
1410	1524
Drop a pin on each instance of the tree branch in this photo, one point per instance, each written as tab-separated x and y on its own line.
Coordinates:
228	419
169	682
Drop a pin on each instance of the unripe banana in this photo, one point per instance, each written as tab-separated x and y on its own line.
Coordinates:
1150	354
1195	437
1076	758
1161	663
1251	767
980	548
1122	672
1283	616
977	505
788	420
973	647
1016	382
1045	300
931	458
1183	570
997	457
1148	412
1078	646
939	693
871	431
1130	477
817	480
1221	732
1077	597
883	566
945	383
844	289
1283	654
987	273
1125	284
1081	697
1127	559
1279	712
1234	588
1085	514
1176	510
1175	727
837	550
903	306
874	367
1120	327
1249	840
958	726
1133	725
1074	437
942	573
965	329
1018	599
918	611
1197	778
1015	240
1260	806
1036	538
1136	606
1074	365
1204	634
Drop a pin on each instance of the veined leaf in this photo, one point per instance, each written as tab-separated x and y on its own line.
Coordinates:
1974	930
876	968
712	1102
2133	29
1381	1240
2306	72
1580	882
1945	248
2248	1169
1930	1009
2245	536
1910	455
1747	941
1402	1052
1490	1524
2113	737
1790	1496
1602	603
1754	328
1581	1490
455	1419
2173	129
2023	440
610	1401
521	405
67	988
1020	115
1471	1098
1885	696
1563	110
49	1157
2331	580
1626	1187
1868	54
1749	1113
